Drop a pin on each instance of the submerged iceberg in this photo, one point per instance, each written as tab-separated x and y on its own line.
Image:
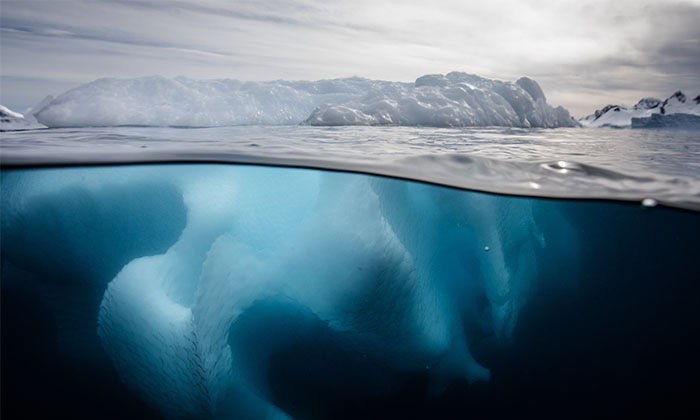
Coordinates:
456	99
330	254
234	291
676	111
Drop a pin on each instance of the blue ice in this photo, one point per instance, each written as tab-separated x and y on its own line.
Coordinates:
166	264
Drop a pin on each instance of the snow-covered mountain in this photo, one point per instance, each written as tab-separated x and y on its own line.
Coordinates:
11	120
452	100
675	111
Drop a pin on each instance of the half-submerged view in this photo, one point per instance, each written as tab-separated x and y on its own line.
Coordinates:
236	291
179	244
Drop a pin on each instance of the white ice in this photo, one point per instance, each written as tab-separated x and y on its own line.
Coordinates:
397	269
455	99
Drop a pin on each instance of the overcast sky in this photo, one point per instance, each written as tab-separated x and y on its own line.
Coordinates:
584	54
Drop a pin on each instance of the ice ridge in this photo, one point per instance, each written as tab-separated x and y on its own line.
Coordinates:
452	100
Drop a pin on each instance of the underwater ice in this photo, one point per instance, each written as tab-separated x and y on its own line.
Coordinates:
193	276
456	99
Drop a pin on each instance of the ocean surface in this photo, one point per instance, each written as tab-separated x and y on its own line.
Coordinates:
349	272
570	162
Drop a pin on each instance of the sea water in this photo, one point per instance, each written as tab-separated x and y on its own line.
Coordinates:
308	272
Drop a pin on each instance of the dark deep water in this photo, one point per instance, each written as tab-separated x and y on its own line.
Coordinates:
608	317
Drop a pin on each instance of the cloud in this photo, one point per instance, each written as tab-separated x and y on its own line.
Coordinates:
674	43
585	47
654	57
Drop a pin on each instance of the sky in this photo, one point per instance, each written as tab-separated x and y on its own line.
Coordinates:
584	54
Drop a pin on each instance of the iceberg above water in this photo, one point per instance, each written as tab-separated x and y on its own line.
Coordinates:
453	100
676	111
159	101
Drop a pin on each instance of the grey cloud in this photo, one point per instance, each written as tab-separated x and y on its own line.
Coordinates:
232	11
673	44
661	54
596	48
92	21
76	33
281	12
18	30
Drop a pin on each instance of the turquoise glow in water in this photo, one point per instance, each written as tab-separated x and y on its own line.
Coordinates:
223	290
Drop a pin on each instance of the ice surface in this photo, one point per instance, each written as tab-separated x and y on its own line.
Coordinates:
456	99
158	101
649	113
453	100
344	249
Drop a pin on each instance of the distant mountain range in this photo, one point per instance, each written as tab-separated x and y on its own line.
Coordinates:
675	111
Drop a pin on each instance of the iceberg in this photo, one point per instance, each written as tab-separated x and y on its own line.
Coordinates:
165	264
456	99
241	291
184	102
676	111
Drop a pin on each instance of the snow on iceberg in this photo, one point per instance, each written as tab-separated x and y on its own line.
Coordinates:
457	99
675	111
262	258
13	121
159	101
453	100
